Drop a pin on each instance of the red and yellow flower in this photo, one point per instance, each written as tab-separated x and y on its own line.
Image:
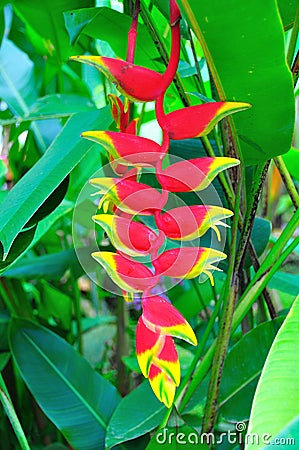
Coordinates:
190	222
130	237
128	149
193	174
129	196
188	262
156	353
195	121
125	197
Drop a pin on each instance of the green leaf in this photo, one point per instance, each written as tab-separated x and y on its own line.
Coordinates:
55	305
260	236
19	245
285	282
291	160
56	375
137	413
287	11
34	235
17	87
287	437
242	369
276	398
50	204
49	266
45	25
59	105
37	184
95	343
244	47
111	26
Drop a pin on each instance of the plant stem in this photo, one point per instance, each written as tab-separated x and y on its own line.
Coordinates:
260	176
122	348
265	293
159	42
287	179
293	40
11	414
127	7
295	68
231	289
132	35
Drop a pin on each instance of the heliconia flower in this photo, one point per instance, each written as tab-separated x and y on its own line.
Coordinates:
132	238
188	262
129	275
163	318
162	385
128	149
195	121
132	127
190	222
193	174
158	361
129	196
136	82
119	115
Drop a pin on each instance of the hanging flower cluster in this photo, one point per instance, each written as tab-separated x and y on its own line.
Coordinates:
125	200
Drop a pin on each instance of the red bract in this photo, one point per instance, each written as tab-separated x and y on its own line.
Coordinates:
190	222
136	82
126	148
161	317
132	238
195	121
193	174
128	78
130	196
156	353
188	262
128	274
120	116
158	361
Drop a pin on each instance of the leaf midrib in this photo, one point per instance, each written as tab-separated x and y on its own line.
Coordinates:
94	413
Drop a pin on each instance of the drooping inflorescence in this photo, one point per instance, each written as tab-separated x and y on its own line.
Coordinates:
125	201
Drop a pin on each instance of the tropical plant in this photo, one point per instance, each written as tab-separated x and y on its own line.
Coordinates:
182	118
